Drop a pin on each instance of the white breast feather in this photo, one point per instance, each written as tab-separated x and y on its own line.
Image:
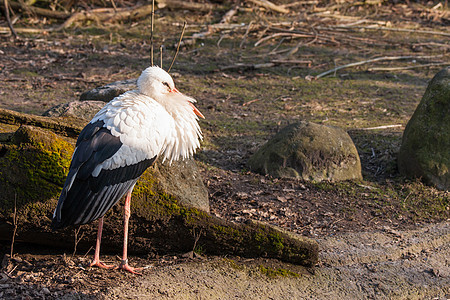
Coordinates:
142	125
185	139
146	129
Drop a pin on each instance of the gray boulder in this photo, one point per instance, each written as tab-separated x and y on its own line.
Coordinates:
309	151
78	109
110	91
425	149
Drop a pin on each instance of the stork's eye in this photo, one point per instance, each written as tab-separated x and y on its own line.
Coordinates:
166	84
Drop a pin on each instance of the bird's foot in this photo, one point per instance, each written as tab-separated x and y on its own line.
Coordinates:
98	263
125	266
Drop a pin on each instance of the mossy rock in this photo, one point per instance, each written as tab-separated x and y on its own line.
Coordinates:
425	149
34	163
308	151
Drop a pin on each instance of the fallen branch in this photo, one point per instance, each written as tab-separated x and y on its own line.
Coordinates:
111	14
396	29
298	3
97	15
410	67
284	34
107	15
54	14
244	38
270	6
384	58
247	66
230	14
8	19
211	29
194	6
24	30
292	62
270	64
250	102
378	127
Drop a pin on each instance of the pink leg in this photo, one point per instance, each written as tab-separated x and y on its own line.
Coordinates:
124	264
96	262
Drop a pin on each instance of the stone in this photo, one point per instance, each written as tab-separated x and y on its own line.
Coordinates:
425	149
110	91
184	181
310	152
78	109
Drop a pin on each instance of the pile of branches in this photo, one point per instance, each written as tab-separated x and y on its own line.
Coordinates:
100	11
334	23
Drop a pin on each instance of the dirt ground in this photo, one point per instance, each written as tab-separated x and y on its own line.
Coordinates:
385	237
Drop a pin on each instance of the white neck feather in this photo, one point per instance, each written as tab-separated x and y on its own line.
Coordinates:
183	141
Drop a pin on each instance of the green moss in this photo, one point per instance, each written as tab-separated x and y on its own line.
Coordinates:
199	249
25	72
34	168
276	242
233	264
274	273
150	201
226	230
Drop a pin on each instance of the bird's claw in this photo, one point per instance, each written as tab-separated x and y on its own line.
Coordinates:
126	267
98	263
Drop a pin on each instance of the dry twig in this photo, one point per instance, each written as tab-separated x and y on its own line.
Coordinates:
111	14
246	34
283	34
298	3
8	19
250	102
15	225
54	14
396	29
194	6
77	240
247	66
410	67
384	58
379	127
151	32
178	46
196	238
161	56
270	6
227	17
292	62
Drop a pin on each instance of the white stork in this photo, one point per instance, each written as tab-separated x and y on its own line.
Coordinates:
119	144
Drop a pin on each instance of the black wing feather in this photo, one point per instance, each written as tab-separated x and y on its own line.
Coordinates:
85	198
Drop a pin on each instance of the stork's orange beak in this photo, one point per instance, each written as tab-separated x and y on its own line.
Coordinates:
196	111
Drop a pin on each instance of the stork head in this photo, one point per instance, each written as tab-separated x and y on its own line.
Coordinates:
156	83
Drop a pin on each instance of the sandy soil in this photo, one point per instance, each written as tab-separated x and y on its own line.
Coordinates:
392	264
